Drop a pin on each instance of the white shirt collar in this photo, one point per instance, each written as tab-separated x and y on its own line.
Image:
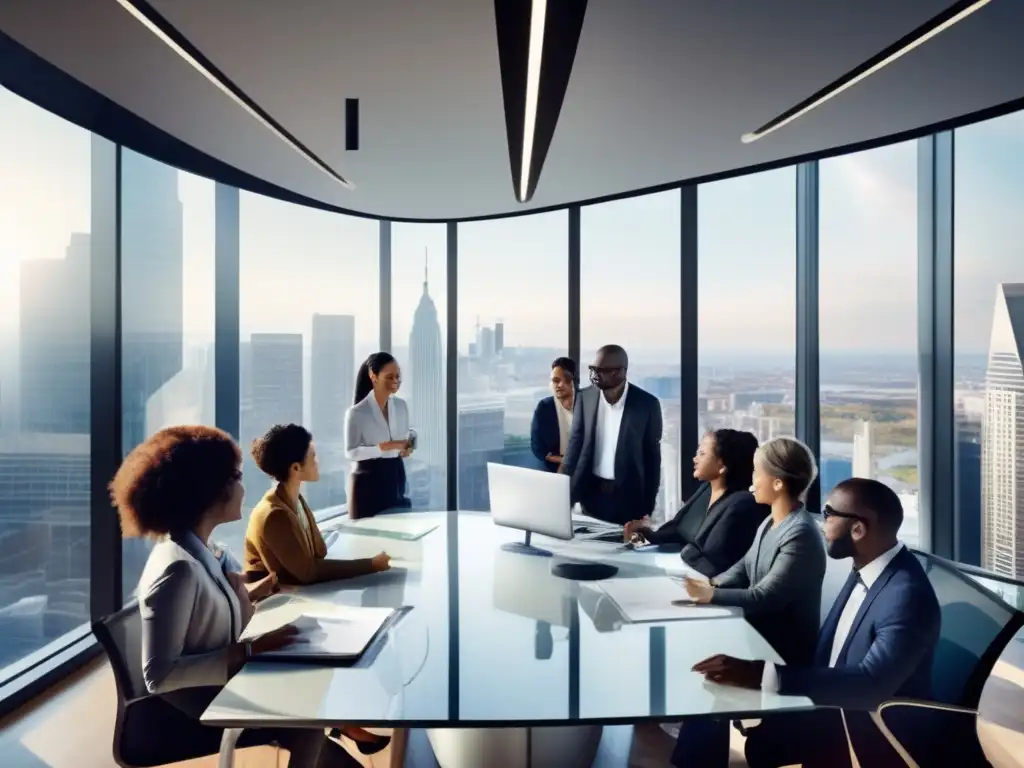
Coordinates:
558	404
869	573
620	403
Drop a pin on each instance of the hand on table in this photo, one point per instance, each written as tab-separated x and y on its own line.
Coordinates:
699	589
264	588
554	458
635	528
279	638
381	562
727	670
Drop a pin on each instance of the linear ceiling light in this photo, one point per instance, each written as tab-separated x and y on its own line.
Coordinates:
534	60
955	13
143	12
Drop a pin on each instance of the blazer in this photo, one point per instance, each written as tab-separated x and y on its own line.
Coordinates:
544	434
276	542
714	537
888	653
190	616
778	585
366	428
637	453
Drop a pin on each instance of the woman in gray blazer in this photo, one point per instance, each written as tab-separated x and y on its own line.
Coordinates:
178	486
377	439
778	582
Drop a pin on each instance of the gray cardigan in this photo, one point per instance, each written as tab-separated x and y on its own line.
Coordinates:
778	585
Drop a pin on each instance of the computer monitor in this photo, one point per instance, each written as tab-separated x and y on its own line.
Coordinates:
532	501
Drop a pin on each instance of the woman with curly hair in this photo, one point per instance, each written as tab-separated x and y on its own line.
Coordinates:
177	487
717	523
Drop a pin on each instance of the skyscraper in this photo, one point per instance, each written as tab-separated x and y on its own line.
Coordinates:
427	396
276	376
499	337
152	278
332	374
864	451
1002	438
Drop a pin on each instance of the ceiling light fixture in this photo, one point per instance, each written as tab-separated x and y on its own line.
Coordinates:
144	13
534	61
952	15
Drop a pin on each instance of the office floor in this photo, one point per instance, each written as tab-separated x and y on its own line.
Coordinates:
71	726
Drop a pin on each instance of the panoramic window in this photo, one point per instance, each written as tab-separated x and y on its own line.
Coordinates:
988	313
868	322
46	219
629	295
309	283
513	323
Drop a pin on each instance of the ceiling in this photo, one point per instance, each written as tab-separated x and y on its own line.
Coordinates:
660	92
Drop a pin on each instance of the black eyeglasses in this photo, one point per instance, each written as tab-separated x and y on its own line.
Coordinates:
597	371
827	512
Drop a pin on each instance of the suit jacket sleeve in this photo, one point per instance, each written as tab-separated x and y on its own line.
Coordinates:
652	456
799	564
537	446
737	576
166	612
576	438
285	555
727	541
905	633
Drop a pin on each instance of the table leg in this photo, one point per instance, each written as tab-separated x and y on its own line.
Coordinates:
227	747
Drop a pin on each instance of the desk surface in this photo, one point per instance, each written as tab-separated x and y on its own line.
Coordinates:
494	639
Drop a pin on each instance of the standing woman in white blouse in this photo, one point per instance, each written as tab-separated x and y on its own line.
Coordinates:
377	439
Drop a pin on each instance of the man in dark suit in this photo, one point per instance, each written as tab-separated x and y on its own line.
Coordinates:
877	643
552	419
614	453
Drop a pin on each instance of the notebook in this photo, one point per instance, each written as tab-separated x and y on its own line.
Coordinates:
403	529
337	634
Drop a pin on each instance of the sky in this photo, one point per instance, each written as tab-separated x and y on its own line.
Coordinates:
297	261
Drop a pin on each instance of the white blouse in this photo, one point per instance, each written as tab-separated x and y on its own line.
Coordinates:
366	428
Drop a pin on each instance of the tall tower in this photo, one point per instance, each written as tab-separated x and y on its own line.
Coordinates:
332	374
427	396
864	451
1002	438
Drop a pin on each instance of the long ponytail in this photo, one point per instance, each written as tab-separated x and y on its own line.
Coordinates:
374	363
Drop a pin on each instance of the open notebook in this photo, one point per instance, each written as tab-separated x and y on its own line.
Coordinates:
337	634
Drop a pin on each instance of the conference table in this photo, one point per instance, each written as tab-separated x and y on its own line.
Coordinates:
490	639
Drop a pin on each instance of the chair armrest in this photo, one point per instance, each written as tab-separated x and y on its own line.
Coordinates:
878	720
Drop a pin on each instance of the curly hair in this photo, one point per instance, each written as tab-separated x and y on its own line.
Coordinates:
168	482
282	446
736	449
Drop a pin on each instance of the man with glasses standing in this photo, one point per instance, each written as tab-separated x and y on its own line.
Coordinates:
614	453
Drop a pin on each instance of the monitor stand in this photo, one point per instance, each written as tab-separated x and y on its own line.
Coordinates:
579	571
525	547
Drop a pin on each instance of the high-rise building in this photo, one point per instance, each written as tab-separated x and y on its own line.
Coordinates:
499	337
485	343
332	374
481	440
427	401
864	451
276	377
1002	438
54	341
152	287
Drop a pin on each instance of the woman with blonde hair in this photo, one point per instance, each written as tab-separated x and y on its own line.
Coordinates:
778	582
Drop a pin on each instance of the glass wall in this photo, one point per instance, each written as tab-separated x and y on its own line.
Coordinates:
629	295
46	217
988	336
513	322
746	303
309	299
419	307
868	322
167	310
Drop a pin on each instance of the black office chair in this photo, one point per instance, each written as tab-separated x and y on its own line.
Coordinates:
977	625
148	731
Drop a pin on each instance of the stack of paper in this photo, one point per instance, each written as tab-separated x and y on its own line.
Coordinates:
336	633
658	598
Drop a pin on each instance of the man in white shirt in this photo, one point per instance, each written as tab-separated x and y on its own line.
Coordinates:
877	643
614	452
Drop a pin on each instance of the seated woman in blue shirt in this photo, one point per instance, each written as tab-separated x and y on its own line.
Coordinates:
716	525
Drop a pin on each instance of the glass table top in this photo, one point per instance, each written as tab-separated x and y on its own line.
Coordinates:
494	639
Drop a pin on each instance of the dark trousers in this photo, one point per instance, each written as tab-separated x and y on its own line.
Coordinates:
811	739
603	500
377	485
